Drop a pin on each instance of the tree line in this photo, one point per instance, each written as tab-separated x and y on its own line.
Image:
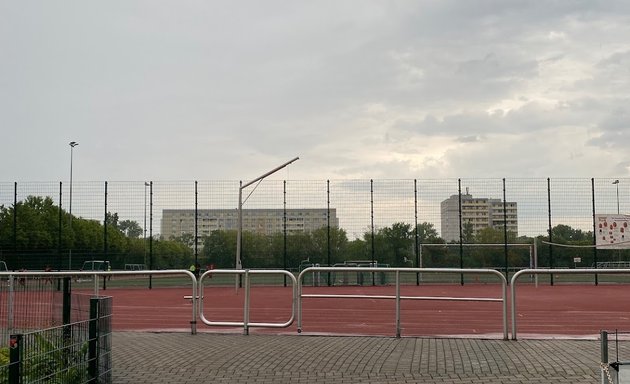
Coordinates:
43	235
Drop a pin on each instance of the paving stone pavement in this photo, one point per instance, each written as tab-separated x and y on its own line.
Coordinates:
143	357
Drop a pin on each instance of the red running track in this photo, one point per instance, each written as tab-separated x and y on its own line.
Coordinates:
547	311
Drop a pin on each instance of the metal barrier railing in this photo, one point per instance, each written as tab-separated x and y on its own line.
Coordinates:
16	276
245	273
587	271
398	297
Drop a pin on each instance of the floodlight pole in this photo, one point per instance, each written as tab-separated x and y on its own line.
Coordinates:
616	182
238	264
72	145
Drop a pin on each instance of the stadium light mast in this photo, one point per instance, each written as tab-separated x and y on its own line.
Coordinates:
239	233
616	183
72	145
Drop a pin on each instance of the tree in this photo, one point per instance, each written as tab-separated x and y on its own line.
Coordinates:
130	228
338	244
490	235
565	234
428	234
431	256
37	224
398	243
468	233
357	249
171	255
219	248
256	251
112	219
563	256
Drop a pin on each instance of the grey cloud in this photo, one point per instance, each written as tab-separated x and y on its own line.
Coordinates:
532	116
615	128
215	89
469	139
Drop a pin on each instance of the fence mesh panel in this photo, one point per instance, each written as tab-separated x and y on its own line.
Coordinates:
43	349
288	224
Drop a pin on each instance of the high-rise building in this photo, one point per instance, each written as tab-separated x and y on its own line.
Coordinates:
480	212
176	222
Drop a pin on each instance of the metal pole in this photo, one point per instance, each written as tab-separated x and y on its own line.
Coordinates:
328	252
270	172
372	224
284	228
594	227
398	304
603	352
151	233
239	227
415	211
238	263
15	246
239	231
144	238
72	145
105	250
550	229
59	261
461	233
616	182
505	234
246	304
104	227
196	233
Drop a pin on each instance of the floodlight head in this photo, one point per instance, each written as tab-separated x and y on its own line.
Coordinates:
73	144
616	182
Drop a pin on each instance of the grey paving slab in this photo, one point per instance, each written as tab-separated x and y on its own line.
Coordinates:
140	357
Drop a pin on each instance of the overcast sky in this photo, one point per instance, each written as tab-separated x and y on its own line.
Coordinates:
205	90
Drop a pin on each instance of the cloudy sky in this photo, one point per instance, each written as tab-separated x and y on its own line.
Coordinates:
205	90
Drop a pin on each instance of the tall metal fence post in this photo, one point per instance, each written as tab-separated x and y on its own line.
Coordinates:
603	353
372	225
11	304
60	224
15	246
328	250
398	304
150	232
550	229
105	248
246	285
594	229
505	234
67	306
93	341
15	360
461	232
415	214
284	229
196	229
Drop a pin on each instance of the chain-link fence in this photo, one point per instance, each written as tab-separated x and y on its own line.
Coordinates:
286	224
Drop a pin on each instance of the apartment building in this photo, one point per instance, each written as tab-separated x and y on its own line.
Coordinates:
176	222
480	212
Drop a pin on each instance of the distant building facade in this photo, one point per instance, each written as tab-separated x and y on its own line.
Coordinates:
176	222
480	212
